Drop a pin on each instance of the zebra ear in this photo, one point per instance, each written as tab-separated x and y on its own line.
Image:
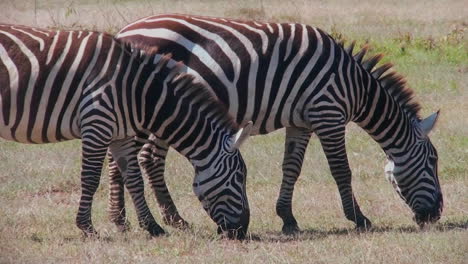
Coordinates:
238	138
428	123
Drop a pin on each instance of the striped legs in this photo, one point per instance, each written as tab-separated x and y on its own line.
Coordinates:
93	153
333	144
295	147
152	159
125	154
117	212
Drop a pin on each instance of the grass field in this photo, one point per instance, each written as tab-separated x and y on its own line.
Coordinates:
426	40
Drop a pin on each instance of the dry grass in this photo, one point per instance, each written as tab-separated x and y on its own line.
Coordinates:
39	188
354	17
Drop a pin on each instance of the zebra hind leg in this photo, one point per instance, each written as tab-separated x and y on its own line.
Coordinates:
295	147
333	144
152	160
116	208
125	154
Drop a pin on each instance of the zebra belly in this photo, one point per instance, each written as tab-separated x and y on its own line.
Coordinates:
47	130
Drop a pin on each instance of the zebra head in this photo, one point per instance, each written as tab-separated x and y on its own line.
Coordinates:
414	175
220	185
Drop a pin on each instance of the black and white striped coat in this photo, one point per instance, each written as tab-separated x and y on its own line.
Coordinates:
298	77
63	85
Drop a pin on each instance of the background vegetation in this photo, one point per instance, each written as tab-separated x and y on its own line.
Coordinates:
426	41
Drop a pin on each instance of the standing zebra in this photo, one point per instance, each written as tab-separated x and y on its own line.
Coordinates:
296	76
63	85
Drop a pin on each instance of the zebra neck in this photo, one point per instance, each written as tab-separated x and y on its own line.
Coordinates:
189	121
386	121
198	139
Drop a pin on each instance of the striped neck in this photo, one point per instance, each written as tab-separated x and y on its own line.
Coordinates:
181	112
384	119
386	108
196	128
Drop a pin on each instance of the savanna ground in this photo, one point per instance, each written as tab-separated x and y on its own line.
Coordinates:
39	188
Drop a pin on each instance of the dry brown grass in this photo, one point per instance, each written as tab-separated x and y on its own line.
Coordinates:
368	18
39	188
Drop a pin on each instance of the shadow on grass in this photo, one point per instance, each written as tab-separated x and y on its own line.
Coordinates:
316	234
304	235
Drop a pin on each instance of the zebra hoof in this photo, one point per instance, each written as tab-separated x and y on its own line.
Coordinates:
177	222
182	225
91	234
88	230
122	228
290	229
155	230
364	225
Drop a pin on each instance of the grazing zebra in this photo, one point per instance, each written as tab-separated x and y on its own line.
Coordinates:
296	76
63	85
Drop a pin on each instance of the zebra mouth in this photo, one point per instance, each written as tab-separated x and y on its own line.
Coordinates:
238	230
429	215
232	233
422	218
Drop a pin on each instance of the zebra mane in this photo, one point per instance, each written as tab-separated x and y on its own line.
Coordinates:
390	80
184	83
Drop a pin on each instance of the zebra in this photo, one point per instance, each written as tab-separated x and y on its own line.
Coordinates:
64	85
298	77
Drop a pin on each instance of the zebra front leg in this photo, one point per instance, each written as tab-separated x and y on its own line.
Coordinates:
117	212
294	150
93	154
333	144
125	154
152	159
